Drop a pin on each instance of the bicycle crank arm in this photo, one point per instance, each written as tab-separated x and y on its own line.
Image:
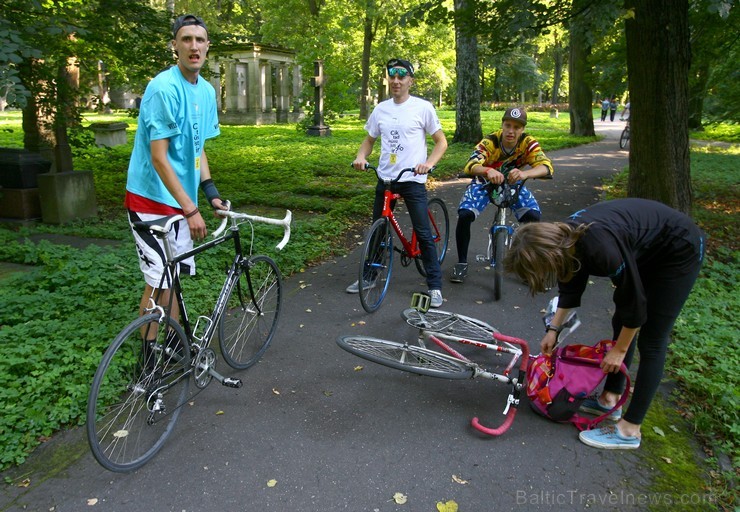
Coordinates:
229	382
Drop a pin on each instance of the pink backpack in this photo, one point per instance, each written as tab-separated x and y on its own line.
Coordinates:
558	384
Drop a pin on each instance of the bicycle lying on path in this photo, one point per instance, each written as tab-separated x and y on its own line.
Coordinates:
442	327
503	196
376	262
143	379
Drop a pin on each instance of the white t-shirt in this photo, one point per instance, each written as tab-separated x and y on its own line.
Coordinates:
402	129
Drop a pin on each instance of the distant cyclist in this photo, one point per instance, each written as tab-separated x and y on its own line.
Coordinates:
509	150
403	123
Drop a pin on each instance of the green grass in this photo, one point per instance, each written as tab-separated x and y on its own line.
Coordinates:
723	132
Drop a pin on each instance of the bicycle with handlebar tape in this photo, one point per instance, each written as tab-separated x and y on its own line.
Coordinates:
433	356
143	379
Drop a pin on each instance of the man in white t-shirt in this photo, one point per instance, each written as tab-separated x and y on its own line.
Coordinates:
402	124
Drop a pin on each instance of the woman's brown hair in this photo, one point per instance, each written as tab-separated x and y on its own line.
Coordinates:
543	253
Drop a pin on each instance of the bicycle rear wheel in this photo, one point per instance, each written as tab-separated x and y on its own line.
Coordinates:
451	324
404	357
137	393
376	265
439	222
253	307
500	244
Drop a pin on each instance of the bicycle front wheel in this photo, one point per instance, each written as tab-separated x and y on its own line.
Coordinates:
624	138
253	307
439	222
376	265
450	324
500	244
137	393
404	357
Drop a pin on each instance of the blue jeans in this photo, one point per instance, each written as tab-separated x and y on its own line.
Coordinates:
415	196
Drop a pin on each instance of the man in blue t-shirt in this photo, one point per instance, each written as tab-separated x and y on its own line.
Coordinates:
169	163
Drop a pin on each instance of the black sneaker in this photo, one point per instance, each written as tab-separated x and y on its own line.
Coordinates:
459	272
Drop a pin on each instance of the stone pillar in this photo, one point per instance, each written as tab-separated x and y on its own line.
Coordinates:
232	88
215	81
241	87
297	85
254	86
266	86
283	96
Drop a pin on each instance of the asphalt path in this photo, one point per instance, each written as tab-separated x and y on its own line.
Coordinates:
317	429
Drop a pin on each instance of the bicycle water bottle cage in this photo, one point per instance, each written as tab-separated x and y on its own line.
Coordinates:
420	302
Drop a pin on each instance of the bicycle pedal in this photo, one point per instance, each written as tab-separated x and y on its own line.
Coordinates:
420	302
231	382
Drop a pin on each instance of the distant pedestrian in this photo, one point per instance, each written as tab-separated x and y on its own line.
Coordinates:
604	108
612	108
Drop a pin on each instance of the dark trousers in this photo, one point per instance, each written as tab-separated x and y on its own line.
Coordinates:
667	291
415	196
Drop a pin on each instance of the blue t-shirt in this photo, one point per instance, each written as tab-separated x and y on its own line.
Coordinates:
172	108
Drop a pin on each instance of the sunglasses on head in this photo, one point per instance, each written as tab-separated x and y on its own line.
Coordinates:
400	72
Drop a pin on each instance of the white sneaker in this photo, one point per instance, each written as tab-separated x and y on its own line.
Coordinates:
355	287
435	297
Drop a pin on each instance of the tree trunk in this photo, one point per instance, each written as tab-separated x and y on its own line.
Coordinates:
658	69
467	111
579	66
367	44
557	71
697	92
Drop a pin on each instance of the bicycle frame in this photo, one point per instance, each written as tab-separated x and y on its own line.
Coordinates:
499	224
410	247
171	276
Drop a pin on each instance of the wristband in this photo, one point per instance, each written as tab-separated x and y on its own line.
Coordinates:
209	189
188	215
555	328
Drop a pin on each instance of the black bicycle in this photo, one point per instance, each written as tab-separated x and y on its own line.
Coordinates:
499	236
144	378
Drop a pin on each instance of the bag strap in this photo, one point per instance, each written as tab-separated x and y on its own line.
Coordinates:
582	423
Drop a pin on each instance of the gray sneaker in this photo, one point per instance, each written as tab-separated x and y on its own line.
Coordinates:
435	297
459	272
355	287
